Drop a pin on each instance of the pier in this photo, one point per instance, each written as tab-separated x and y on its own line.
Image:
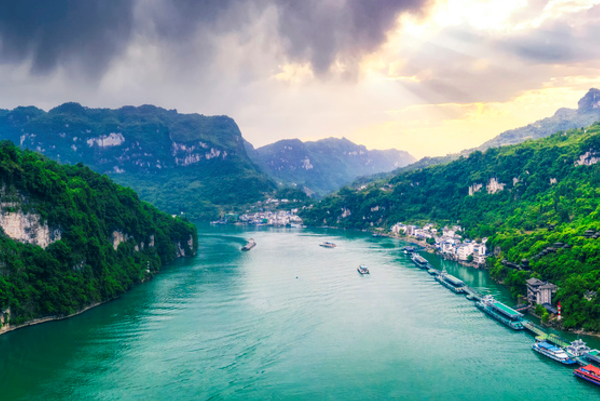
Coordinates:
540	334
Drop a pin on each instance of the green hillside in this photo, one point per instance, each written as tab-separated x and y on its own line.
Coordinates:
71	238
551	193
187	163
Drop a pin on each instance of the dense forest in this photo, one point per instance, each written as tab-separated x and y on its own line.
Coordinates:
188	163
538	200
86	210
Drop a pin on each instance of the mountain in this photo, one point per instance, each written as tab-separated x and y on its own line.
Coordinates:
179	162
70	238
529	199
587	113
325	165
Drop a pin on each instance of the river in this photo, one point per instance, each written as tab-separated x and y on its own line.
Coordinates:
287	320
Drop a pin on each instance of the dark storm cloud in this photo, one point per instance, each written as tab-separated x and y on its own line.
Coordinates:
321	31
94	32
53	32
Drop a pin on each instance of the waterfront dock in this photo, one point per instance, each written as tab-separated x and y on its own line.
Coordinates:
537	331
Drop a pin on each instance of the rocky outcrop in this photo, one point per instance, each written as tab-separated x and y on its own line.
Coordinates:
28	228
474	188
588	158
494	186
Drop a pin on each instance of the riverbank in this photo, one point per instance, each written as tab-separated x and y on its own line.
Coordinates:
8	328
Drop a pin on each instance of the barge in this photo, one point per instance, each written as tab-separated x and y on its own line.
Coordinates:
501	312
419	261
451	282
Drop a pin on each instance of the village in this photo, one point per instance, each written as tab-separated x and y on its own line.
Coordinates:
279	218
449	244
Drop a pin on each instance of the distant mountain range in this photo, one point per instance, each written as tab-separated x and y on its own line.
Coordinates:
323	166
587	113
195	164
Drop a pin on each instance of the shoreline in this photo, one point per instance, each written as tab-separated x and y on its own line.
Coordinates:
426	247
6	328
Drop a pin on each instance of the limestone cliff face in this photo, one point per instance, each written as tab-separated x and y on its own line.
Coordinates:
28	228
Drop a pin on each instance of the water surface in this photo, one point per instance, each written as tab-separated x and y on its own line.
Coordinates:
287	320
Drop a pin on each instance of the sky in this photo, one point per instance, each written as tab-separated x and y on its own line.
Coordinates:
431	77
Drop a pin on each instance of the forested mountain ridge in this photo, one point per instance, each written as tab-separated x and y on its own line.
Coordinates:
325	165
179	162
71	238
587	113
526	198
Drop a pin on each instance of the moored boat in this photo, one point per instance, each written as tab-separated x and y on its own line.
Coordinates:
552	352
408	249
577	348
420	261
362	269
501	312
589	373
451	282
251	244
328	244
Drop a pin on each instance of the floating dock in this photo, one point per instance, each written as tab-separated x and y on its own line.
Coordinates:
540	334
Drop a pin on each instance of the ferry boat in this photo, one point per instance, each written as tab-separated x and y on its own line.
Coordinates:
589	373
451	282
251	244
327	244
408	249
552	352
577	348
362	269
501	312
420	261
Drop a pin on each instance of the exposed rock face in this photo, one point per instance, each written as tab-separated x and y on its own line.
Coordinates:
494	186
114	139
475	188
590	102
118	237
26	228
587	159
181	251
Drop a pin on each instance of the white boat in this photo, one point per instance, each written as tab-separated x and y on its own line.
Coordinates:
327	244
362	269
552	352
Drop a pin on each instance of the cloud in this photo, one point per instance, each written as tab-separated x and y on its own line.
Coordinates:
90	34
86	34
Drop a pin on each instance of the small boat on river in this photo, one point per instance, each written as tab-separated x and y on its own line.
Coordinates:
362	269
251	244
327	244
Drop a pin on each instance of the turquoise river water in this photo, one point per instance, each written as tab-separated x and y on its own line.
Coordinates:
288	320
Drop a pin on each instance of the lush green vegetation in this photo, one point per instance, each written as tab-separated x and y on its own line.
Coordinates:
187	163
82	268
547	198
